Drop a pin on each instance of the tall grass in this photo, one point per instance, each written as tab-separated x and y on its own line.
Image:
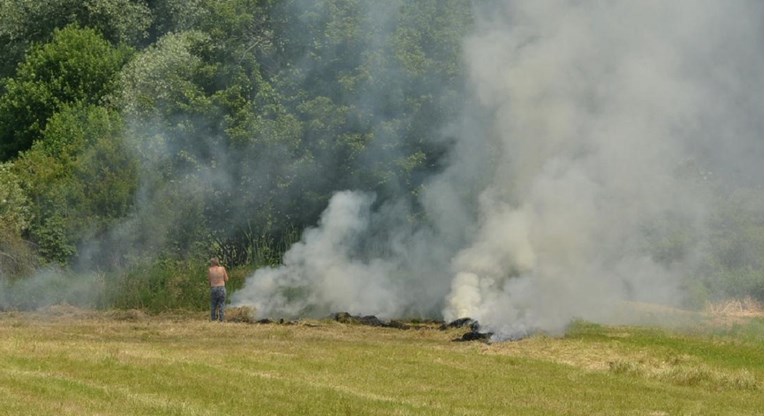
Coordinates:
170	284
161	286
167	285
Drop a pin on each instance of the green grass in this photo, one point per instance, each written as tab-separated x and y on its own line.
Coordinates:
131	364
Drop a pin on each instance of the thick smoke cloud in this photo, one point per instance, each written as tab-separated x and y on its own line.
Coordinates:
588	125
595	111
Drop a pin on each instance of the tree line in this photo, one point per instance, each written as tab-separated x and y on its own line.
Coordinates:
171	130
139	137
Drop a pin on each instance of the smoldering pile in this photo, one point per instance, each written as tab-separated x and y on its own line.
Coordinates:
474	328
474	331
369	320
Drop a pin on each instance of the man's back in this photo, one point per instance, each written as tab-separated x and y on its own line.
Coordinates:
217	276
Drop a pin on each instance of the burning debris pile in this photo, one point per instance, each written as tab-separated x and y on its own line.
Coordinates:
474	334
369	320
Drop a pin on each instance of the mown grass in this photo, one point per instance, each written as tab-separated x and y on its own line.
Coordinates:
133	364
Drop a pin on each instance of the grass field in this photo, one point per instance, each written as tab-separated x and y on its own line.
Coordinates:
126	363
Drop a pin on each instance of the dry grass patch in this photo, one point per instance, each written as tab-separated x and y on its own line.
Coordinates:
733	311
568	352
127	315
66	311
705	355
242	314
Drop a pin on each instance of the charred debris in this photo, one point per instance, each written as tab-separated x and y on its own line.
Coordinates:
473	333
474	328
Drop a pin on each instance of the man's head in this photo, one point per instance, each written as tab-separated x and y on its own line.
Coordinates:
214	262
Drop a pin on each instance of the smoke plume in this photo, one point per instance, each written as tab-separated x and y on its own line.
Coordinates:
588	125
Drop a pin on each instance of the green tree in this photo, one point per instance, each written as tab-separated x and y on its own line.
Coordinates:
16	256
733	262
28	22
211	119
78	65
14	204
81	178
391	68
174	126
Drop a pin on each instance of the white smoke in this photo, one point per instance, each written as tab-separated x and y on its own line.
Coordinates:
594	108
582	116
320	273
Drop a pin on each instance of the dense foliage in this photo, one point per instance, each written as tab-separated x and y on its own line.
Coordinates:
139	134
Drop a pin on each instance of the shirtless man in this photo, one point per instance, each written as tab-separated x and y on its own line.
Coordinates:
218	277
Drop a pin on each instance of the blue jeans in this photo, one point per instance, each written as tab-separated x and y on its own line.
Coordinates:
217	300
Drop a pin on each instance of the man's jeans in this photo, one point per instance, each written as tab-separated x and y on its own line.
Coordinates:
217	300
